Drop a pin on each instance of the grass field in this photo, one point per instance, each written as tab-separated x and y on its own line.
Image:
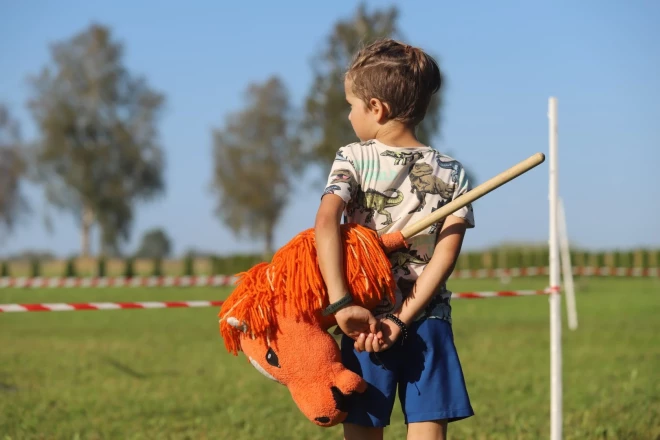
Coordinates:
164	374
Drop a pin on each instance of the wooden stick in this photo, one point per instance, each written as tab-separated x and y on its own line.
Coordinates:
474	194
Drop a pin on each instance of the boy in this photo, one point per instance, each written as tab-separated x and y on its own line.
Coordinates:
384	182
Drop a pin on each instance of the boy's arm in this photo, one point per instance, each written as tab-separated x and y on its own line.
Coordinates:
329	247
352	319
438	269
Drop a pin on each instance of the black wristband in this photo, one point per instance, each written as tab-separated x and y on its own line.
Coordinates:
400	324
336	306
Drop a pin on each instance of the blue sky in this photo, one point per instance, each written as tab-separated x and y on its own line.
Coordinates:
502	61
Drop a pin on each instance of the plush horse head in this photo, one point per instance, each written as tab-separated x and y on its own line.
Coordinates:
274	317
305	358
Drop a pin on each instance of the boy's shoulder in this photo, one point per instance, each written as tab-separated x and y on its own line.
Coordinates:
356	150
356	146
375	145
448	162
346	153
445	157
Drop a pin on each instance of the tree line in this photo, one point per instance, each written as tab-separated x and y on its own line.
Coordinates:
98	153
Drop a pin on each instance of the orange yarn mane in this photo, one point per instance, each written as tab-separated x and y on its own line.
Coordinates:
292	284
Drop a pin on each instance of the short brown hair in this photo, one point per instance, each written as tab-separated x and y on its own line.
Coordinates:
400	75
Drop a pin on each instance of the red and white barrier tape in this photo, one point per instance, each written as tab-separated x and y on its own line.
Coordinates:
70	307
228	280
500	294
194	281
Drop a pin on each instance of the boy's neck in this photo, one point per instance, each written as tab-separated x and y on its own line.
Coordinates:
395	134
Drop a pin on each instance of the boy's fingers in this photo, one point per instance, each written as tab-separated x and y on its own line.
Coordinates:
373	344
369	343
376	345
359	342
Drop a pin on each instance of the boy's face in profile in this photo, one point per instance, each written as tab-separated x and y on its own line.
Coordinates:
362	120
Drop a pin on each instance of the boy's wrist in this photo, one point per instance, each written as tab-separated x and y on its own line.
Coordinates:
335	293
336	297
403	327
403	316
338	305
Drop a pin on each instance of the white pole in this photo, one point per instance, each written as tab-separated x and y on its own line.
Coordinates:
555	299
566	268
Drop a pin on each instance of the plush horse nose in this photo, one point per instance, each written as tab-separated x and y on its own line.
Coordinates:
341	399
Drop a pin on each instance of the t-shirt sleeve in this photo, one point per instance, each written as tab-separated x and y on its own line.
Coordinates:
343	178
462	187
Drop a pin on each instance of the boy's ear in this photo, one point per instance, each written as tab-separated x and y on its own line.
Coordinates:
379	109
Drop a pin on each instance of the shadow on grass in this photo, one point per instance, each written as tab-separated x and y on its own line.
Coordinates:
5	387
133	373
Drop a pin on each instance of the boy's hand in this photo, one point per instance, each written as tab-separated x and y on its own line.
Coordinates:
375	343
354	320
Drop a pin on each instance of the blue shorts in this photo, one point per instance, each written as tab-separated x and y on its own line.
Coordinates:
426	369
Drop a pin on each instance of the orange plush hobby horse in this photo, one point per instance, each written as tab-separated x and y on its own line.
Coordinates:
274	315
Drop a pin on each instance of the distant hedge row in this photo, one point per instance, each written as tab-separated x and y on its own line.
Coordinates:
504	258
510	258
130	267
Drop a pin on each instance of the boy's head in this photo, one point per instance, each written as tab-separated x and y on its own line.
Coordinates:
390	81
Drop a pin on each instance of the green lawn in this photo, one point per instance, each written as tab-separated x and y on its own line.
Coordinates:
164	374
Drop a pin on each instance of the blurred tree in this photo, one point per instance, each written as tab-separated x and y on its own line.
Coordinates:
155	244
12	171
255	158
98	153
326	120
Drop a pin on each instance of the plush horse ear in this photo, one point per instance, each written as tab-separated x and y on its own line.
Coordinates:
242	326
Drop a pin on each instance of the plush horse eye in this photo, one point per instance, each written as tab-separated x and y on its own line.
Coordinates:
271	358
